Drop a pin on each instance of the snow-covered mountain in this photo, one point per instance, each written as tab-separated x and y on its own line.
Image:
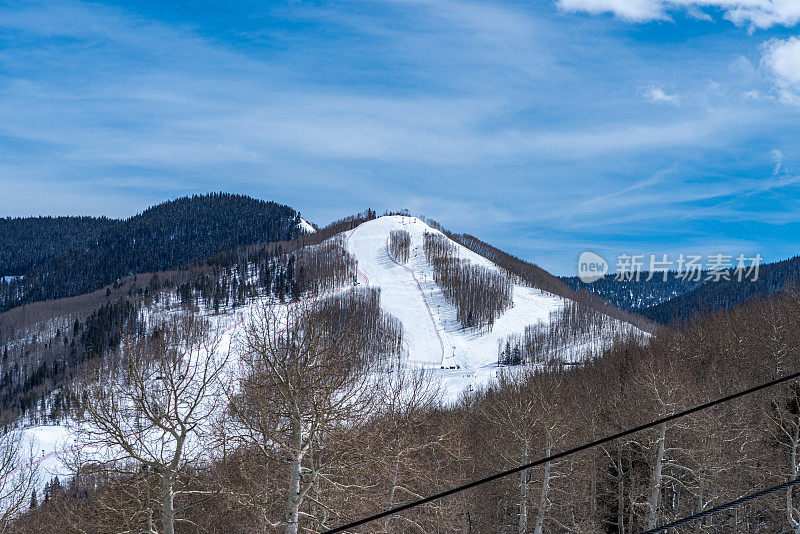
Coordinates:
408	291
464	357
460	359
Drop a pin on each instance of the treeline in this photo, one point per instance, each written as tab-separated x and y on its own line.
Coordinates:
479	295
400	245
633	295
307	265
235	255
675	300
166	236
572	334
532	275
272	273
382	334
26	242
407	445
39	365
725	294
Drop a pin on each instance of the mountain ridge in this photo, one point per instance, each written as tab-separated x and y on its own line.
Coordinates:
164	236
675	301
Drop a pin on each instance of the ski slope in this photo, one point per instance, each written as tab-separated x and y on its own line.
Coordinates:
434	338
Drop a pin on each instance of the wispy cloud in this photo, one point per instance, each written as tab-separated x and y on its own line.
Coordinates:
659	95
503	119
777	158
754	13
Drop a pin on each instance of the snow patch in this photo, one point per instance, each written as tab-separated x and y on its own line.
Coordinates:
306	227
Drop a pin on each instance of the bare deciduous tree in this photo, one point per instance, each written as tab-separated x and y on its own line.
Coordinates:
400	245
408	398
480	295
308	373
19	475
154	413
526	412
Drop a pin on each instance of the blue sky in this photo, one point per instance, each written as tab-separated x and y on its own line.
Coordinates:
544	127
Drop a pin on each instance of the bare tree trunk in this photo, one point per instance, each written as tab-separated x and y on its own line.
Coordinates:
168	503
653	502
631	497
295	474
620	495
151	527
593	496
467	521
393	489
545	486
522	525
790	510
699	508
293	498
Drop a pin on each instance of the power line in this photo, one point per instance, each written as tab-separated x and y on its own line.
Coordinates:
569	452
723	507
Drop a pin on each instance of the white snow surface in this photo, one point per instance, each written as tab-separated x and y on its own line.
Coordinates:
305	226
47	443
433	335
461	359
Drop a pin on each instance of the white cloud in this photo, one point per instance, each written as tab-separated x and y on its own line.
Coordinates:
777	158
743	66
631	10
753	13
782	60
697	13
657	94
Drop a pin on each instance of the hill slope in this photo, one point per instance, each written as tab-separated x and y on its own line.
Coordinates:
675	300
408	291
539	324
534	326
27	242
725	294
165	236
433	335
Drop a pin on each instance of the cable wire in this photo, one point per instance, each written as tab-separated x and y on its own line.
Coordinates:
723	507
558	456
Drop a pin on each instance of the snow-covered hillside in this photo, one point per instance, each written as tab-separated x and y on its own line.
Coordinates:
306	227
433	337
460	359
408	292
